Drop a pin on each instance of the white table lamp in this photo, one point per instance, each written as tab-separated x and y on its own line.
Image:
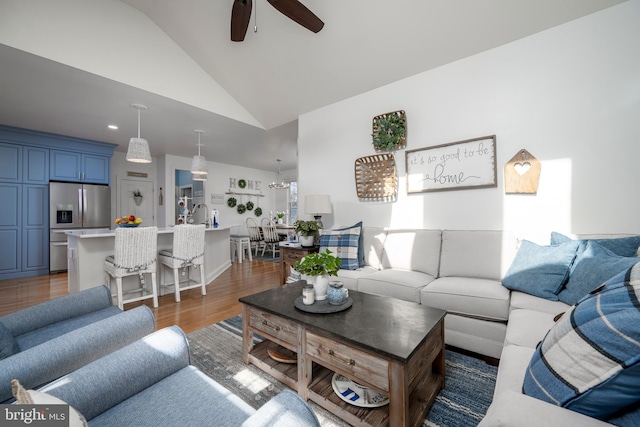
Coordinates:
316	205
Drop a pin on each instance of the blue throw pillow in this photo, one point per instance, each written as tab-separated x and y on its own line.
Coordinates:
592	268
344	245
360	242
623	246
540	270
589	361
8	345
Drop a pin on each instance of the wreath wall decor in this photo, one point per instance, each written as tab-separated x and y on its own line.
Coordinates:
390	131
231	202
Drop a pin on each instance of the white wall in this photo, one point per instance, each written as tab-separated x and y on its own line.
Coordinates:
162	172
569	95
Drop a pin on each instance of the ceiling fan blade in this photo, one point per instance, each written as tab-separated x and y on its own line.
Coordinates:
298	12
240	17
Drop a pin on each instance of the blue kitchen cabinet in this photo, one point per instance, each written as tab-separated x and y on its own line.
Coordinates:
10	229
10	163
35	228
79	167
35	165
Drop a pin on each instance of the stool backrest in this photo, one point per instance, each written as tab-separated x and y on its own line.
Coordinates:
188	243
136	248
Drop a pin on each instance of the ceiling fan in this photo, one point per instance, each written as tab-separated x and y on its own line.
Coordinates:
293	9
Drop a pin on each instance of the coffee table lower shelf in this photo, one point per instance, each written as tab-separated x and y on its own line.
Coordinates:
322	393
287	373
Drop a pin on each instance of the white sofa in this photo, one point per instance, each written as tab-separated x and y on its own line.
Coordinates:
460	271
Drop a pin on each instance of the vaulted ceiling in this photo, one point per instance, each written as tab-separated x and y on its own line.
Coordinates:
276	74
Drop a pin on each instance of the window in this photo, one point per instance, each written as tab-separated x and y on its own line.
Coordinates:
292	201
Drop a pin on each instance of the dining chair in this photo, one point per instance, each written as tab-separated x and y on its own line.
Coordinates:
187	254
270	236
135	254
255	235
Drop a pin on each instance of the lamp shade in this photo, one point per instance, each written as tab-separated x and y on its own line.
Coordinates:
138	151
199	165
317	204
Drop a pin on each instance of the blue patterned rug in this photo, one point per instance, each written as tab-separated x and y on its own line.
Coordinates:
217	351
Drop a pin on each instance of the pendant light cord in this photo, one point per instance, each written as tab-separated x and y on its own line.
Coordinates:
255	18
138	123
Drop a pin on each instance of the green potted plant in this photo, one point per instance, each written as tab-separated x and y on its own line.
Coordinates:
318	267
306	230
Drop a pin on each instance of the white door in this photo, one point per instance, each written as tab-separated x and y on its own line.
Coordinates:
127	204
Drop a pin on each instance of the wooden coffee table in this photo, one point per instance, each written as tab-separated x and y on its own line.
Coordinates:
391	346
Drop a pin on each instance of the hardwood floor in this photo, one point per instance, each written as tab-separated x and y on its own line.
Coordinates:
193	312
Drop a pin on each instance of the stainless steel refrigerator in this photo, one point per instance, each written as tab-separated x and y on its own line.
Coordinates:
74	207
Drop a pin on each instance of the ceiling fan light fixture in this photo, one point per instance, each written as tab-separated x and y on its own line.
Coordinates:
138	151
199	163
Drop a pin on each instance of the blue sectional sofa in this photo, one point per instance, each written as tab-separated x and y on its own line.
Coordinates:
151	383
46	341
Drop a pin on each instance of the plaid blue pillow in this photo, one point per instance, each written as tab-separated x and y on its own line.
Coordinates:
589	362
343	244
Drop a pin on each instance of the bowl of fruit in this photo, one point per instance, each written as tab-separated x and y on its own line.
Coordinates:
128	221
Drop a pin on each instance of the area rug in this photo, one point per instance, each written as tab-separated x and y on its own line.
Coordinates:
217	351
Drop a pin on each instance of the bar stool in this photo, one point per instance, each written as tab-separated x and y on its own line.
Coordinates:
188	251
238	246
135	254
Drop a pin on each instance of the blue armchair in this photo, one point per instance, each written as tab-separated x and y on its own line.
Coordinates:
151	383
41	343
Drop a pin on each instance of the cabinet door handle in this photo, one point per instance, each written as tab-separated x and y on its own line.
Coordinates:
275	328
350	362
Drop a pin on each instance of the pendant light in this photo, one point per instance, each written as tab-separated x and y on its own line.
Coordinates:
138	151
199	163
281	185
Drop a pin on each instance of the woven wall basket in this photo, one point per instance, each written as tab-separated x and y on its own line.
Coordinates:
376	178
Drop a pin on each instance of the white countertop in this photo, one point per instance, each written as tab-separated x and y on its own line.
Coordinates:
93	233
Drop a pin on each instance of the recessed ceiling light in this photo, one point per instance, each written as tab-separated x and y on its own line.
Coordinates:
113	127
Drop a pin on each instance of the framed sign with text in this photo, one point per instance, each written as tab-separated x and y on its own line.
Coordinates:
456	166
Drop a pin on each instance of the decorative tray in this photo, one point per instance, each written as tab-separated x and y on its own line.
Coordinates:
128	225
356	394
322	306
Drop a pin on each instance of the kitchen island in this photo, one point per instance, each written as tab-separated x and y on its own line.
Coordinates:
88	249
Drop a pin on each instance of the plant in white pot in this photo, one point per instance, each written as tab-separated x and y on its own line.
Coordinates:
319	266
307	231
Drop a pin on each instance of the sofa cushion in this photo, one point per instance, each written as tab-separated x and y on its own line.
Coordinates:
8	345
540	270
527	328
344	244
624	246
482	254
529	302
589	361
373	241
400	284
416	250
468	296
350	277
592	268
360	242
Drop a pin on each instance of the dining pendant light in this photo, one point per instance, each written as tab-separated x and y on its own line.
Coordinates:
138	151
199	163
279	185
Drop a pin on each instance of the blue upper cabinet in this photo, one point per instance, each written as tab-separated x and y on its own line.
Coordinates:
35	165
34	157
10	163
69	166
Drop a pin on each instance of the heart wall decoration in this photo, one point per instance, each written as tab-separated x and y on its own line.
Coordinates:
522	174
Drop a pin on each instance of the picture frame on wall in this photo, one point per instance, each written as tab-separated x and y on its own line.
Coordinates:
460	165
